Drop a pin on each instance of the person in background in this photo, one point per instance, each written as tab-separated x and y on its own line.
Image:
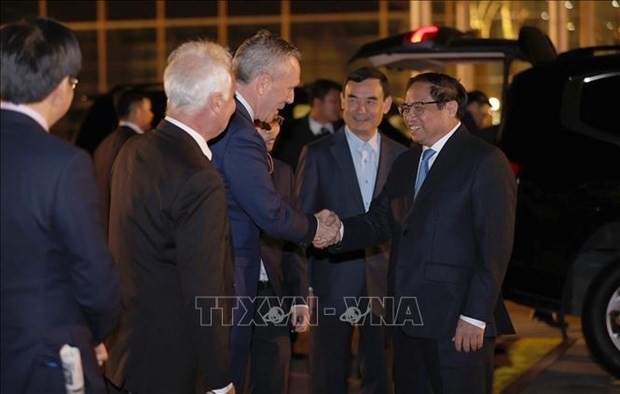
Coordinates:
59	285
284	280
324	119
134	111
478	119
170	235
449	208
342	173
267	69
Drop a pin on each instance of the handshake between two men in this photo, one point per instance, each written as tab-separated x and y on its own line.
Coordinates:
328	232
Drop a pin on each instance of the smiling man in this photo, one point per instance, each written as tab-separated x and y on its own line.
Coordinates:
267	69
342	172
448	206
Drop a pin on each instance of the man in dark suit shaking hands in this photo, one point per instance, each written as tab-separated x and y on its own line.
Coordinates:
267	69
170	234
449	207
59	284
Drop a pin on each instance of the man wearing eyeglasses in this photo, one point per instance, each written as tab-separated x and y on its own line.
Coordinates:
449	208
59	285
342	173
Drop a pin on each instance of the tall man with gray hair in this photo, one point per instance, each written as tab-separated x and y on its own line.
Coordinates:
170	234
267	69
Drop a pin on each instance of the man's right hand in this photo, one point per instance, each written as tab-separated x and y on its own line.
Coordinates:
329	229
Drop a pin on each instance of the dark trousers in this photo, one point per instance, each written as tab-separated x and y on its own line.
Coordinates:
270	357
330	356
428	365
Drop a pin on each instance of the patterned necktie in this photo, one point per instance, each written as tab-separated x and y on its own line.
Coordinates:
424	168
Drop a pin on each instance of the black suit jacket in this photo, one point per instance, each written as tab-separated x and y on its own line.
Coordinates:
104	157
293	138
59	283
326	179
170	235
452	244
283	261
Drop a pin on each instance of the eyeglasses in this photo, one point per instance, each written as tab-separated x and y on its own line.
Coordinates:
417	107
277	119
73	81
267	126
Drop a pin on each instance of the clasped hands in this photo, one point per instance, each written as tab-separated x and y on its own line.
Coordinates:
329	229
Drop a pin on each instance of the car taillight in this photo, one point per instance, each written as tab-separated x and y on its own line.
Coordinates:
515	168
423	34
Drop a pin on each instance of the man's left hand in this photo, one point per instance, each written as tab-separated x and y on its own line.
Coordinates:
468	337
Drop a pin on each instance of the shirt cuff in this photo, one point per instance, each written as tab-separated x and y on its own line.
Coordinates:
223	390
318	226
341	230
475	322
296	305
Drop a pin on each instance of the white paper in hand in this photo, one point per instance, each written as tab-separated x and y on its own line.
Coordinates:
72	367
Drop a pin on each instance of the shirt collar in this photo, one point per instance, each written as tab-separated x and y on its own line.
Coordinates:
357	143
131	125
245	104
315	126
438	146
202	143
26	110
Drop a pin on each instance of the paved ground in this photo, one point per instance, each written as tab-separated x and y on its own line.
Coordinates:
566	368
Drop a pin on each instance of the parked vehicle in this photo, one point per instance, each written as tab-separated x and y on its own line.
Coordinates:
560	130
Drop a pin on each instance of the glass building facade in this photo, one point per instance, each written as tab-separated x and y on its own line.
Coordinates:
128	41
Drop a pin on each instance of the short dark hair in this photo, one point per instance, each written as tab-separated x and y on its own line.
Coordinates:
36	55
477	96
364	73
126	100
320	88
444	88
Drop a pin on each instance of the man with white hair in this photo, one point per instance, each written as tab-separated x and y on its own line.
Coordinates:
170	235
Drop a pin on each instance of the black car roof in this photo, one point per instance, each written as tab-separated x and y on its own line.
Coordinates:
435	46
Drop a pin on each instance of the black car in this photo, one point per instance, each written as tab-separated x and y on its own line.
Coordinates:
560	130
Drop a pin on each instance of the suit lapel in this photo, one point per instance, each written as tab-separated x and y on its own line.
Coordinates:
386	156
417	151
443	164
445	161
342	155
241	111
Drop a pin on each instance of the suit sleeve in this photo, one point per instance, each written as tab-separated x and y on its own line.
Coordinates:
494	206
204	262
250	185
368	229
94	276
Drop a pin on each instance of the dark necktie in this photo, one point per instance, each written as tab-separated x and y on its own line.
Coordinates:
324	131
424	168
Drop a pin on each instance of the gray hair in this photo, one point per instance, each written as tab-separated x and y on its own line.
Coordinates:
259	53
196	70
